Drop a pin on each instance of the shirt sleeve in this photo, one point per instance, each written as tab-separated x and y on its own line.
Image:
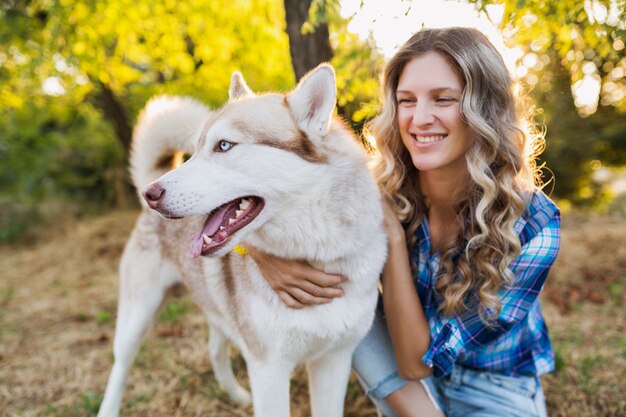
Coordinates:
466	331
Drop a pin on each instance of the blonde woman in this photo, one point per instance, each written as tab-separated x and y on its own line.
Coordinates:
459	331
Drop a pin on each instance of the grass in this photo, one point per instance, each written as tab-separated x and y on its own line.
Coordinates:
58	299
173	312
90	402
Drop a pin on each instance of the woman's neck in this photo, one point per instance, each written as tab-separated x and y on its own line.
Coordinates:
443	190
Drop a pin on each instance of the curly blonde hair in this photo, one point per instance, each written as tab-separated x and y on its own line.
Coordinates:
500	163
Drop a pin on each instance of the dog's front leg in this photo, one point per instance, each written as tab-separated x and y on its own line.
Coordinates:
269	382
143	283
128	335
328	381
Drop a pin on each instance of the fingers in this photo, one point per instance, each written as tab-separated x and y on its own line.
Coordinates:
288	300
321	291
303	293
322	279
317	284
306	298
320	285
308	294
297	283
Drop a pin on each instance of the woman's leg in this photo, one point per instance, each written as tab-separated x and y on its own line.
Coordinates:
413	400
472	393
375	364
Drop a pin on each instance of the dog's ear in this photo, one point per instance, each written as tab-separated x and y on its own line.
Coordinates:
313	101
238	87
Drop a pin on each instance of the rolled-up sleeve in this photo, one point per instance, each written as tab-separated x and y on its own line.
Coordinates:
466	332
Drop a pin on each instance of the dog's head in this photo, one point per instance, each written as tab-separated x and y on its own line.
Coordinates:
253	156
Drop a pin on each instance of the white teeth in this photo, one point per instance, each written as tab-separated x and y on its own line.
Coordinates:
244	204
238	213
221	228
428	139
231	221
207	239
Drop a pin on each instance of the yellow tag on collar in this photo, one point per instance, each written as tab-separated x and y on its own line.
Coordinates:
240	250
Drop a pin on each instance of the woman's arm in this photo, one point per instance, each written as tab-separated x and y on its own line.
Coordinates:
297	283
408	326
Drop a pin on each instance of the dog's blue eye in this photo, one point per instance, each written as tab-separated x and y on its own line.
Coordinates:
224	146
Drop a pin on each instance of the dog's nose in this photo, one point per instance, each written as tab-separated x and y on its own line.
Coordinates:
153	195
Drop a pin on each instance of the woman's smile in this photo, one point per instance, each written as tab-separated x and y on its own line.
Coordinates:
424	140
433	131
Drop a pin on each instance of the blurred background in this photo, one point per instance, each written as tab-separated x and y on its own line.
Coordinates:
74	75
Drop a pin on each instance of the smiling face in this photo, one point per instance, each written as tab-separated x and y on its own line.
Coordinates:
429	114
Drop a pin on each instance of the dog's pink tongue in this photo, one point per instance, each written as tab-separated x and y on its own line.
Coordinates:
195	249
209	228
214	222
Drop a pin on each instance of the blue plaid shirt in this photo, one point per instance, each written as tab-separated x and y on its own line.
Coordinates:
518	343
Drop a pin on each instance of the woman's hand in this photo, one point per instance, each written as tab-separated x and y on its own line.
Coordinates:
297	283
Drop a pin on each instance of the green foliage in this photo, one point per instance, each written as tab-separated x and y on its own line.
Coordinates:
14	219
189	48
357	65
566	43
75	73
62	136
320	11
57	148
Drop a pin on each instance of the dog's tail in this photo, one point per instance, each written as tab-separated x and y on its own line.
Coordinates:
166	132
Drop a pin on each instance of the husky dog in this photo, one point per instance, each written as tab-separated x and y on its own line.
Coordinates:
276	172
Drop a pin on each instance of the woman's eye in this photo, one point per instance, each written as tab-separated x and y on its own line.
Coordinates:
445	100
405	101
223	146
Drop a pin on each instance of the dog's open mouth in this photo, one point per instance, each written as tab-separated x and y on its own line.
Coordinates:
223	222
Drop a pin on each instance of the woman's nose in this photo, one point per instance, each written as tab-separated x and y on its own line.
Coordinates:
422	115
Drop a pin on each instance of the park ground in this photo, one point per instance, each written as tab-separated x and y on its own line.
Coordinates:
58	297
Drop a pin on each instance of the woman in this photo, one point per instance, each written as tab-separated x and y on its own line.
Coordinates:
471	240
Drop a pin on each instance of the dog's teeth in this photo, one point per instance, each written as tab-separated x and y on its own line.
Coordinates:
207	239
244	203
231	221
238	213
221	228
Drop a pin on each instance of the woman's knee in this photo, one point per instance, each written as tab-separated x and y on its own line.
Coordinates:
413	400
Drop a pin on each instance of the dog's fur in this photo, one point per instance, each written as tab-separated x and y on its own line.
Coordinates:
312	198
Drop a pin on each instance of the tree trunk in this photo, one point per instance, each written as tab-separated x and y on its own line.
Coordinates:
116	114
307	50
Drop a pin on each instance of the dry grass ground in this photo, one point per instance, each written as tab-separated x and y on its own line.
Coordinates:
58	297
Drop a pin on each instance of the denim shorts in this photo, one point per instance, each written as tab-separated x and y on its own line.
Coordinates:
464	392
